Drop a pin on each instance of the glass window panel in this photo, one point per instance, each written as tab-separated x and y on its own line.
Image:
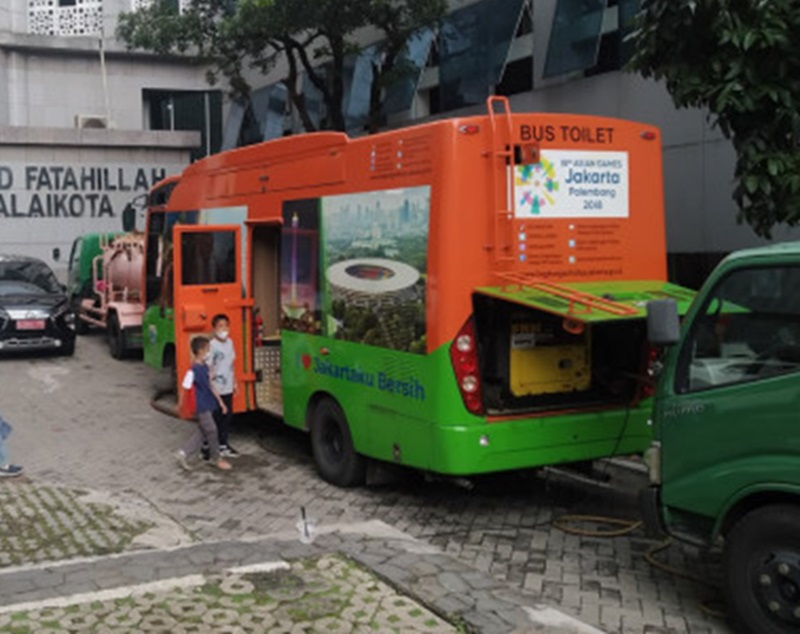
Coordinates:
575	36
313	97
276	112
208	258
188	110
249	132
233	125
358	83
259	102
608	55
215	121
747	330
473	47
400	94
628	9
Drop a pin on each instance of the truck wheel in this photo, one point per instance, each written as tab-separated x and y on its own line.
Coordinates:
81	327
332	446
762	571
116	337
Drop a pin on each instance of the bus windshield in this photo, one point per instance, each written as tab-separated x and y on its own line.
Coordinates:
158	288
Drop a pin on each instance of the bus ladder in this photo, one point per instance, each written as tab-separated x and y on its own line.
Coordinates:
579	302
501	181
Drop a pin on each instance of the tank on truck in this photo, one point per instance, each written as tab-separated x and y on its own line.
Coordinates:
115	302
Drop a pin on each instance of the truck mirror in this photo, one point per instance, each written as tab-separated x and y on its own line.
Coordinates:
663	323
128	218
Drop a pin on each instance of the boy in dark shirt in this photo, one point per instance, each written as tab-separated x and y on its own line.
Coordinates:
207	400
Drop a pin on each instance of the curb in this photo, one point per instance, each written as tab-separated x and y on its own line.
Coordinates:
446	586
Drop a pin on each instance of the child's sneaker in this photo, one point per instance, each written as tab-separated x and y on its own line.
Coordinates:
222	465
180	456
228	452
205	453
11	471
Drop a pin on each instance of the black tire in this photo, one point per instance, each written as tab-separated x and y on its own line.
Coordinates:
762	571
68	349
171	364
116	337
332	445
81	327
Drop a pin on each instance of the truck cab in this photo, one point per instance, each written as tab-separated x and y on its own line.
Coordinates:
79	274
725	460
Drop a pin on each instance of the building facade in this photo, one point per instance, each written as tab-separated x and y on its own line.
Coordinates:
64	69
86	126
546	56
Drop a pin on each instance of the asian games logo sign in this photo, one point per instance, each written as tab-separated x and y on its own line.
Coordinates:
536	184
573	184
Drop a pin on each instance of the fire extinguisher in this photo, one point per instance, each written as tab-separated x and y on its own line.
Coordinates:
258	327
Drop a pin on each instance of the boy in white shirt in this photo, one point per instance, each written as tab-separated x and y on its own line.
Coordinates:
223	355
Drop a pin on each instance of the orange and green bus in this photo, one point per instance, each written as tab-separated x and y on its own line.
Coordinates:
462	297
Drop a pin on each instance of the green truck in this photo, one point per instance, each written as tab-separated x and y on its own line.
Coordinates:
725	459
84	250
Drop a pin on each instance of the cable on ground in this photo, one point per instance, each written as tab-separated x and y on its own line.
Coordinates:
563	523
169	410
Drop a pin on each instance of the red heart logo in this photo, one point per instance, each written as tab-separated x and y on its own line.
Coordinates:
306	359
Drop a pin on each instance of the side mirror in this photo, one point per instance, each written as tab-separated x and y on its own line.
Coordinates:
663	322
56	254
128	218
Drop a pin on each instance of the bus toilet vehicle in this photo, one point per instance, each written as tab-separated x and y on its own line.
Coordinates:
461	297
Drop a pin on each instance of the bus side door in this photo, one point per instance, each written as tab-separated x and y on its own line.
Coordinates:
208	282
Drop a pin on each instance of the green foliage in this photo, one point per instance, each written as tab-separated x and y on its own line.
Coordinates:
739	59
311	36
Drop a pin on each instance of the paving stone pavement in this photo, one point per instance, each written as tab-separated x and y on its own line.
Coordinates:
353	578
85	423
326	593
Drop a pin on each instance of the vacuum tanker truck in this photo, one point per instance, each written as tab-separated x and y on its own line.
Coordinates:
115	303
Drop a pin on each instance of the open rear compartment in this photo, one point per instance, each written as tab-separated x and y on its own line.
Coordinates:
265	258
534	362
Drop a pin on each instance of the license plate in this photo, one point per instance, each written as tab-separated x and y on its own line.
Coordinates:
30	324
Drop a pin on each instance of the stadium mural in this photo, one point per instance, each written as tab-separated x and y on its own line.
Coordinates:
373	258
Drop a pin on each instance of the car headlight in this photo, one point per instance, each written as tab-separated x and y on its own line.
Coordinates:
63	311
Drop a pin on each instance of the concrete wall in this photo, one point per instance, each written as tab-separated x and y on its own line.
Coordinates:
49	85
58	184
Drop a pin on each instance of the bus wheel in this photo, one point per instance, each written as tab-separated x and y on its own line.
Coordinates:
762	570
116	337
336	459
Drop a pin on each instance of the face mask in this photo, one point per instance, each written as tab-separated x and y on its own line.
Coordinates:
222	334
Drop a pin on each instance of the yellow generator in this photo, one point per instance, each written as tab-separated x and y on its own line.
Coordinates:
546	359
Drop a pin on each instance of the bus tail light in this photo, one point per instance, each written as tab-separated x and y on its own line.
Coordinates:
464	357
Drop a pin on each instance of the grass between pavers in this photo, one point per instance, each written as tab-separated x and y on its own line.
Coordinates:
313	593
44	523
